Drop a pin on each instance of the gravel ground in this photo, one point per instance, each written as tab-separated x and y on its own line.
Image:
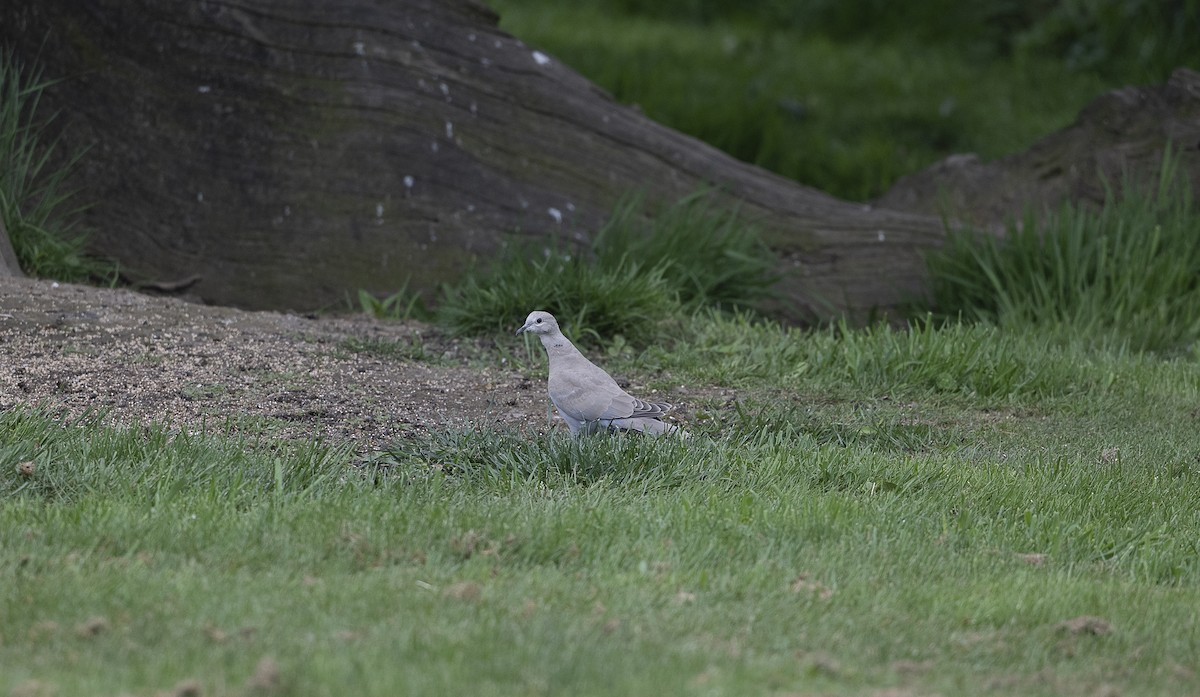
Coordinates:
141	358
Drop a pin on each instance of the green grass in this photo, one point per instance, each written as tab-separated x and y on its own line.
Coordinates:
401	304
846	114
707	255
38	207
852	523
1129	39
979	361
1127	273
412	349
1138	40
629	299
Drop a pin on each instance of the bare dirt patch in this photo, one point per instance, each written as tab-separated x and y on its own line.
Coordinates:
141	359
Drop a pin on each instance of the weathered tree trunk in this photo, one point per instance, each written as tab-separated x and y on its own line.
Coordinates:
1120	135
289	152
9	266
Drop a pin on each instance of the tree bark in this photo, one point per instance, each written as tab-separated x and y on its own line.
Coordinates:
289	153
9	266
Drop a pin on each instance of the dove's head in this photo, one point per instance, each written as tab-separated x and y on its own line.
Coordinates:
539	322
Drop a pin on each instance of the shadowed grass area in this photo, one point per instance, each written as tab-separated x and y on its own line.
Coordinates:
1138	39
848	114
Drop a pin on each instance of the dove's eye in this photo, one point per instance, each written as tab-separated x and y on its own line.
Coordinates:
539	320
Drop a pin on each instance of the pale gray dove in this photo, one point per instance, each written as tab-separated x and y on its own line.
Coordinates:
588	399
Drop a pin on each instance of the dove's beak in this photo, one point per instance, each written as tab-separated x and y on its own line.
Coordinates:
523	328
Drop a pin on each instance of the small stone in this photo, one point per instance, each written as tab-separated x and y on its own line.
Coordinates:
92	627
1085	624
266	676
187	688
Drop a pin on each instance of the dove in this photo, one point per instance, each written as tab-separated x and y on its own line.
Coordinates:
588	399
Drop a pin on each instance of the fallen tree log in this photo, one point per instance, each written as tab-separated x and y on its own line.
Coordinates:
287	153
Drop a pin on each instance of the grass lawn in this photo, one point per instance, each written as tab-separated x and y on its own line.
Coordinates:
954	511
950	509
846	116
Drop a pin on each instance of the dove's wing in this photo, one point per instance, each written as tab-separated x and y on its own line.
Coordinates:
585	392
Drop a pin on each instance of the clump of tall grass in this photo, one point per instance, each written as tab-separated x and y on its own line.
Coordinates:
638	273
1129	271
36	203
590	300
708	255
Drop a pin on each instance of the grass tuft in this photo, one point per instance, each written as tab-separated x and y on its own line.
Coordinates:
709	256
590	301
37	205
1128	272
403	304
638	275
